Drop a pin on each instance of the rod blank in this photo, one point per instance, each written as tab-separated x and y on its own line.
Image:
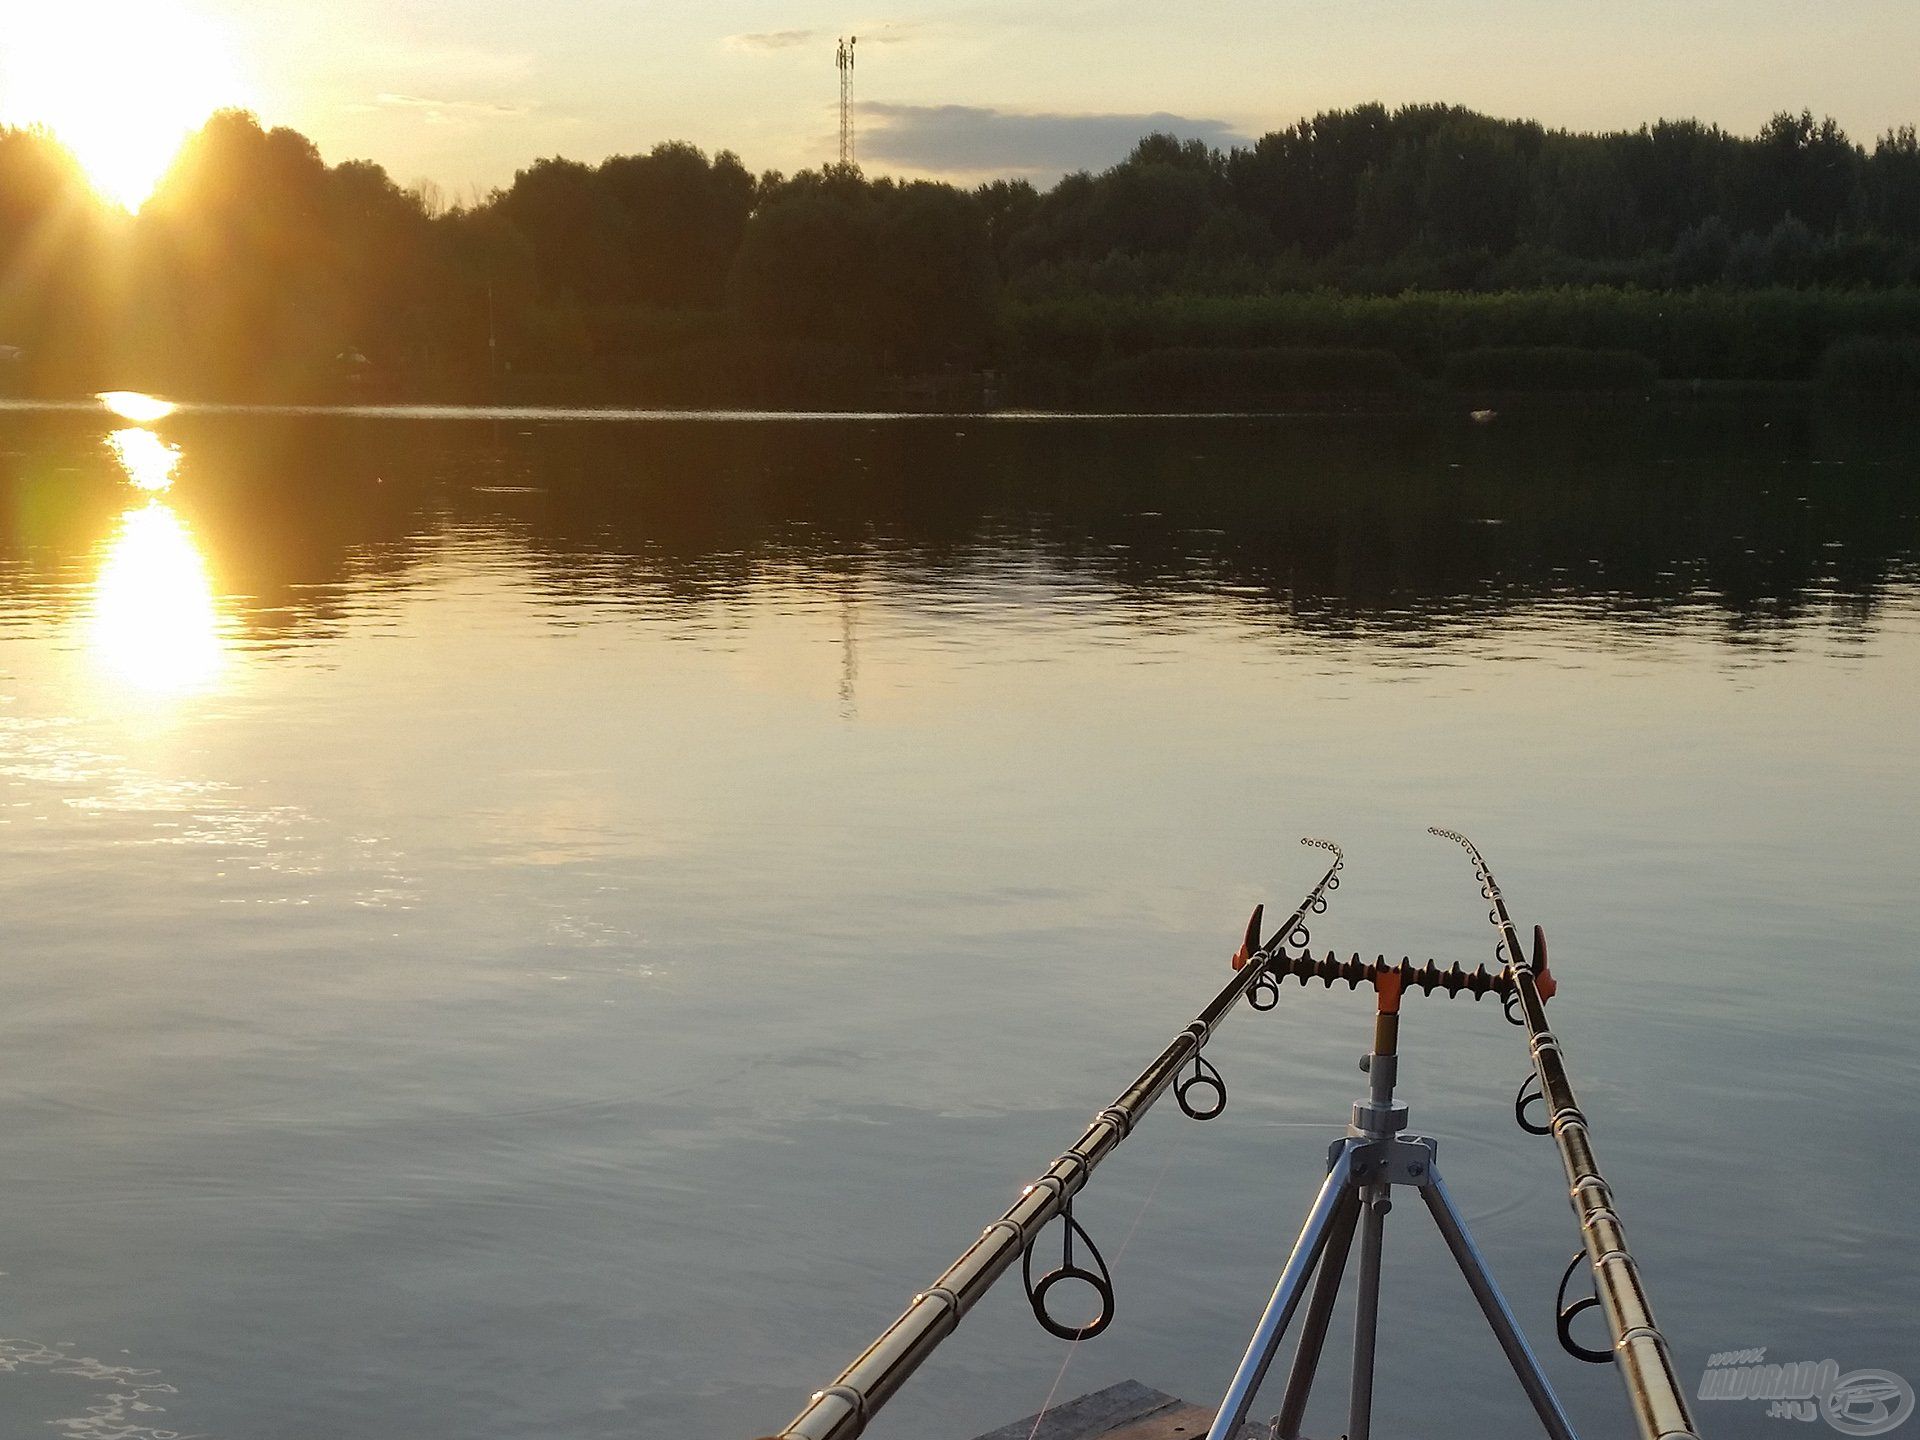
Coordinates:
1639	1349
844	1409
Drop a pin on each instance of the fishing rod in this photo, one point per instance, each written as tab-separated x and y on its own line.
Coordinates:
1639	1350
1363	1169
844	1408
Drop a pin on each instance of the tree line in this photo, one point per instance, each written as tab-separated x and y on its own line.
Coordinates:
258	271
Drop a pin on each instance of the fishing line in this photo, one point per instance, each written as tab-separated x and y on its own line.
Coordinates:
1073	1347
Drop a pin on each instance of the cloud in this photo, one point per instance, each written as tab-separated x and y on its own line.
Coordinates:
880	32
449	112
891	32
977	140
449	65
772	39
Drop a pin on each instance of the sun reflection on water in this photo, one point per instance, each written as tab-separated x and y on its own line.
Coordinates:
133	405
148	460
155	624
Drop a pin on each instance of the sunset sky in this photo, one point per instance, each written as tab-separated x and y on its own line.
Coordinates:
463	93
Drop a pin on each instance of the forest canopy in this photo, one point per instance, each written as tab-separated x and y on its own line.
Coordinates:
258	271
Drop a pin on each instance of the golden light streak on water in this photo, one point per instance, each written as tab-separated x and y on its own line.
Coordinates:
148	460
154	624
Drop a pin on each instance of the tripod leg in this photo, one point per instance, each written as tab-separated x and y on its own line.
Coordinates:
1313	1328
1532	1378
1366	1315
1307	1251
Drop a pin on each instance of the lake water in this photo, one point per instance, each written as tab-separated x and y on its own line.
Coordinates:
531	927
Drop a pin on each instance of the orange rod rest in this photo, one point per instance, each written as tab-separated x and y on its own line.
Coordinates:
1543	980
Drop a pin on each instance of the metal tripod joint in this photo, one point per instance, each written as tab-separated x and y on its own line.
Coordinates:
1396	1160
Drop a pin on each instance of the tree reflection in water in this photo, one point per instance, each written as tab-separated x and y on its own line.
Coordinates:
1737	526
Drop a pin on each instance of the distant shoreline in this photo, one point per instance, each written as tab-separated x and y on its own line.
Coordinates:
1667	395
1369	259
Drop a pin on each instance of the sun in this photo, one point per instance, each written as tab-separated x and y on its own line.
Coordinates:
121	82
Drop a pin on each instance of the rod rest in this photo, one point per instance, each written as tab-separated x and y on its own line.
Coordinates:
1428	977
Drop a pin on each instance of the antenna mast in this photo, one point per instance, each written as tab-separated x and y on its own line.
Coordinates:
843	59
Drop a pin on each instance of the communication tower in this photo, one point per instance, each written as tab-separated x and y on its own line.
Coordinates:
843	59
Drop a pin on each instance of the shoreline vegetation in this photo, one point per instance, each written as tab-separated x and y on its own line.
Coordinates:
1363	259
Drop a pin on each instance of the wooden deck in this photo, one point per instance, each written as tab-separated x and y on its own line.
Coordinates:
1127	1411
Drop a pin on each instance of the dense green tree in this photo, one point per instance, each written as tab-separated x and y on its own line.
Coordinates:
903	271
257	267
1890	184
1008	207
680	220
1303	183
571	228
656	229
1797	167
1582	200
57	249
1680	173
934	286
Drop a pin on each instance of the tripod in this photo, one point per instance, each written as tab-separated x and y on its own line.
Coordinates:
1363	1167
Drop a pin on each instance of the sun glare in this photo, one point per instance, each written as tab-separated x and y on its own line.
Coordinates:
120	82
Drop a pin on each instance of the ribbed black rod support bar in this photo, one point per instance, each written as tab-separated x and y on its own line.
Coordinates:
1357	972
845	1407
1639	1349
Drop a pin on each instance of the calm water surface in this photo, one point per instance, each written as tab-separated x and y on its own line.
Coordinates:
535	928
